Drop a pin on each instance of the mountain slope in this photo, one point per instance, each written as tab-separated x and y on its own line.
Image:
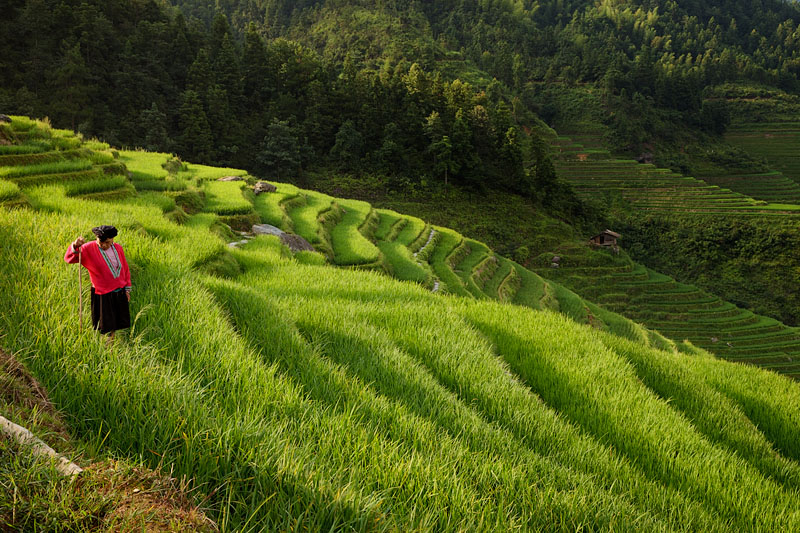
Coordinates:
304	396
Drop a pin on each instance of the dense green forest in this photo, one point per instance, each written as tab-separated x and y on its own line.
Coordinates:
444	91
650	60
136	74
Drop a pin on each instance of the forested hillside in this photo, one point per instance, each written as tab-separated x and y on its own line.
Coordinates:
427	90
134	73
651	60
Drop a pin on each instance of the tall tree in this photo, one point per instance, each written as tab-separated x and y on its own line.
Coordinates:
196	141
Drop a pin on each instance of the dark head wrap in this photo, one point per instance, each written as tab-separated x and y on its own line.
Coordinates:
105	232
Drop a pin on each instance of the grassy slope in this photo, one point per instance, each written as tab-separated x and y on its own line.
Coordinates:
109	495
313	397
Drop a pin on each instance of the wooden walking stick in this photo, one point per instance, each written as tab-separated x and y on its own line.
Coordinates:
80	292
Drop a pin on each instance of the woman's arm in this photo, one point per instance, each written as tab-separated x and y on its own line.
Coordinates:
72	255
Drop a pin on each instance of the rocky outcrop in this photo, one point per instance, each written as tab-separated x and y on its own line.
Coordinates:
263	186
295	242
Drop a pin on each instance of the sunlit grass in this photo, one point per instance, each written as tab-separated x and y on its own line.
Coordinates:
226	198
204	172
299	396
45	168
350	247
8	190
305	217
95	186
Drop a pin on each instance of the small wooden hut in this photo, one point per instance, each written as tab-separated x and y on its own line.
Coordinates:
607	238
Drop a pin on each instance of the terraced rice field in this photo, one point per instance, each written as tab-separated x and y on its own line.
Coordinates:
595	175
301	397
354	235
684	312
44	156
768	186
778	143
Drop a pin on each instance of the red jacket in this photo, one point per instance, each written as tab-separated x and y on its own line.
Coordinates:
103	279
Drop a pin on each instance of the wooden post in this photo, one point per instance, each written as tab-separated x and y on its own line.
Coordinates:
80	292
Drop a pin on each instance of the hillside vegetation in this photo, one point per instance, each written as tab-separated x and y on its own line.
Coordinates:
301	396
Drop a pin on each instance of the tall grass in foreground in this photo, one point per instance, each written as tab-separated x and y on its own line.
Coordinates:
460	361
634	420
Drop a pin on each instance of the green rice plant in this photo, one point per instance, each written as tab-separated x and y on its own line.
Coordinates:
8	190
531	290
97	146
478	252
350	247
66	143
206	173
78	188
145	165
411	231
42	157
305	217
269	206
402	264
47	179
101	158
154	199
32	147
167	184
666	445
21	123
370	225
492	285
56	167
430	334
300	396
405	380
301	385
447	242
310	258
718	416
226	198
387	219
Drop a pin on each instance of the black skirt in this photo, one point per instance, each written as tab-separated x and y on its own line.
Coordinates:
110	311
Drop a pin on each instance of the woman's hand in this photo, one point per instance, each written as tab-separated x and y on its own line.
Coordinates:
77	243
128	294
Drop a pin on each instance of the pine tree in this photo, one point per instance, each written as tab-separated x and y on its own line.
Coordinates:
72	84
154	123
282	152
195	142
349	146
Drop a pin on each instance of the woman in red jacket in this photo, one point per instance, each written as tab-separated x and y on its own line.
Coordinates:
111	278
